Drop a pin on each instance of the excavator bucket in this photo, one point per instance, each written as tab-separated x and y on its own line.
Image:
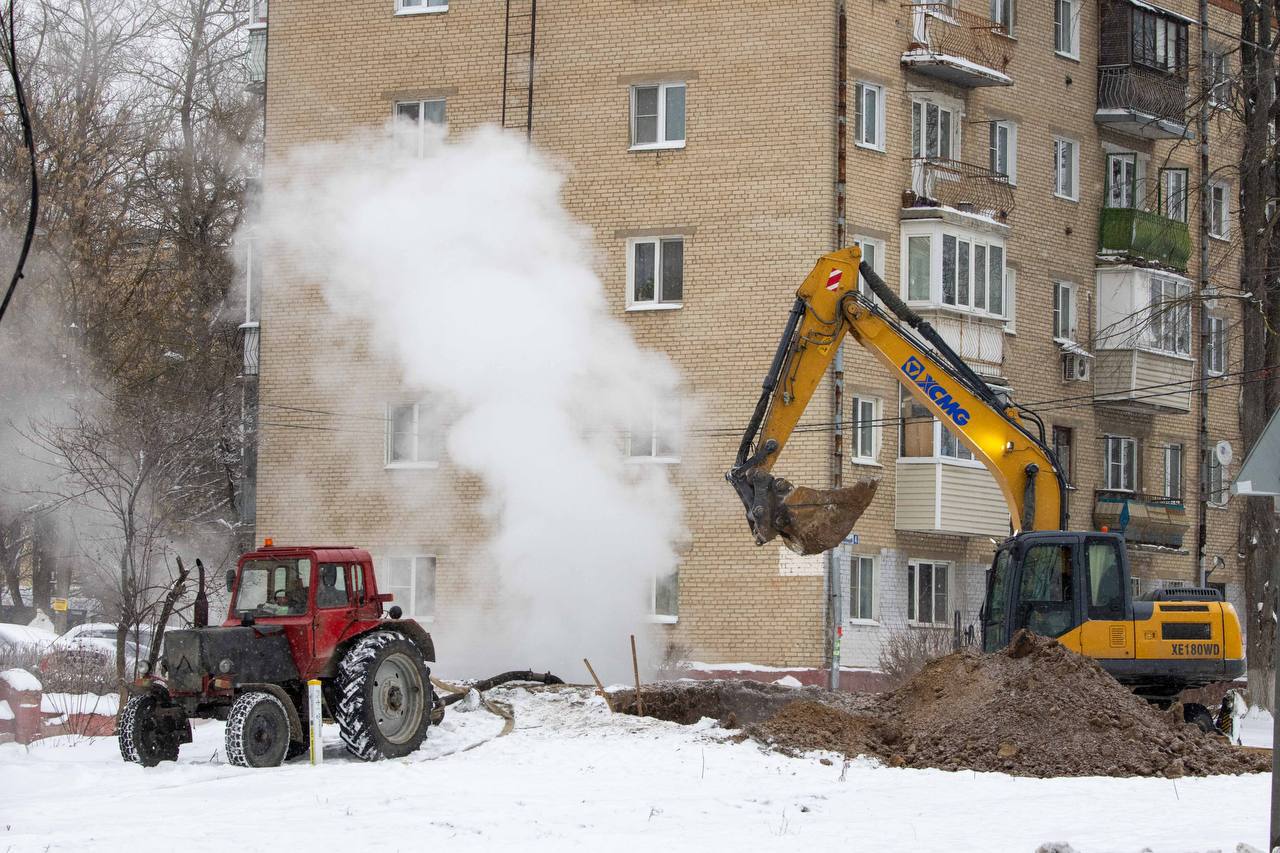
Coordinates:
809	521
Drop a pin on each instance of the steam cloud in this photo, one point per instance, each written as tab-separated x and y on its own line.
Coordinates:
469	271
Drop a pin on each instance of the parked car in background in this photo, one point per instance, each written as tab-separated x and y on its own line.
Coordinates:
20	644
93	646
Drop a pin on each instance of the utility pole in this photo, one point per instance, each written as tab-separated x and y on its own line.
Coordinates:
1202	292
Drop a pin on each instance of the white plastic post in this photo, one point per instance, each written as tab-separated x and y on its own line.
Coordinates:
314	720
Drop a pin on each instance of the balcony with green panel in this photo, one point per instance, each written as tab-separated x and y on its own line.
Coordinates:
1127	234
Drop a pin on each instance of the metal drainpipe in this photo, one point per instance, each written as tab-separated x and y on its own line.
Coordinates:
835	604
1202	432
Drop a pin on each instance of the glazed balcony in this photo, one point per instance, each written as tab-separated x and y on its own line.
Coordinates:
1129	234
956	46
1142	102
1143	519
967	187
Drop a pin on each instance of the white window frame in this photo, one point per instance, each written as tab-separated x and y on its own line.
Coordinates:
1010	299
389	462
1010	131
258	14
913	593
1066	34
661	413
1071	193
656	303
1005	13
1220	210
1128	188
1169	192
876	248
1219	72
661	141
980	250
1168	328
858	454
920	107
876	122
423	7
1215	354
1126	462
1172	489
409	608
856	563
664	618
420	124
1064	292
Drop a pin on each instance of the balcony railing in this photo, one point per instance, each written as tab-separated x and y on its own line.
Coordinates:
966	187
250	336
1130	233
1143	519
1142	102
957	46
256	60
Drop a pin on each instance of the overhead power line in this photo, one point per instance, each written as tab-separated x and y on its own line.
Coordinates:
8	34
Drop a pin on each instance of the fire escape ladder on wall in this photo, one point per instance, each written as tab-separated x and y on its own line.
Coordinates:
517	65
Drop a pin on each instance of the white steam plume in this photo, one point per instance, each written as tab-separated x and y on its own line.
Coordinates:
473	277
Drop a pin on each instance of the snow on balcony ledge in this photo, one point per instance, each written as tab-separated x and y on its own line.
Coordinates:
954	69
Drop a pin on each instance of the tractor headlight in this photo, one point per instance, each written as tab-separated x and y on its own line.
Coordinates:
224	666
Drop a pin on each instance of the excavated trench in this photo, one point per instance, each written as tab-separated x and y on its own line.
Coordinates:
1035	709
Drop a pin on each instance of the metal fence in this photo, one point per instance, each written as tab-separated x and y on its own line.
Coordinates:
964	186
1127	87
942	29
256	59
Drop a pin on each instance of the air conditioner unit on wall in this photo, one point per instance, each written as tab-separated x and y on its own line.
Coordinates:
1075	368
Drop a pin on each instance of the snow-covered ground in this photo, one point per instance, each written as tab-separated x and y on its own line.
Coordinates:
573	777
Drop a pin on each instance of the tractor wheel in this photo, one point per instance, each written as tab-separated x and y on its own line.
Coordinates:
140	738
257	731
384	697
300	747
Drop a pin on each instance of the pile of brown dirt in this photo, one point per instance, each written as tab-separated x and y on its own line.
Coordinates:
732	703
1035	709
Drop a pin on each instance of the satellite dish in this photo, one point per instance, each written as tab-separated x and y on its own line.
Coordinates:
1222	452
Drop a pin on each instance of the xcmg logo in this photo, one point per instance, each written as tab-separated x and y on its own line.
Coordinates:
916	373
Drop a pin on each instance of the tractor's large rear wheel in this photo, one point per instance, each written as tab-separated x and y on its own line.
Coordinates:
143	739
257	731
384	697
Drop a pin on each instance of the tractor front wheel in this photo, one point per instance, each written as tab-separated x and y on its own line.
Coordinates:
257	731
141	736
384	697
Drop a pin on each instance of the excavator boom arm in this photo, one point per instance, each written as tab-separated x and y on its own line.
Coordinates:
827	308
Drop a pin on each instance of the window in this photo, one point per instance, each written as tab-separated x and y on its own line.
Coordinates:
1062	438
1173	194
1218	483
257	13
934	130
655	437
416	121
1066	28
1064	311
1047	592
952	448
1169	313
862	587
1004	149
1219	71
657	116
411	580
918	262
865	429
927	602
1159	42
1011	300
1066	157
873	254
655	273
332	589
666	597
1122	180
869	111
1219	210
1120	461
414	436
1005	14
414	7
1173	471
972	274
1215	351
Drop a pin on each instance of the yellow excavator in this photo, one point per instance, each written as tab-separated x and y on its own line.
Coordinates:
1072	585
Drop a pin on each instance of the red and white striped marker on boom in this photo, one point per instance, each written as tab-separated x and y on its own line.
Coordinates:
833	280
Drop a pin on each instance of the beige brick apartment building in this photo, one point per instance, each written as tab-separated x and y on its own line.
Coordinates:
1025	172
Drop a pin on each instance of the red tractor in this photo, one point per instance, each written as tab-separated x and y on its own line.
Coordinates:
296	614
